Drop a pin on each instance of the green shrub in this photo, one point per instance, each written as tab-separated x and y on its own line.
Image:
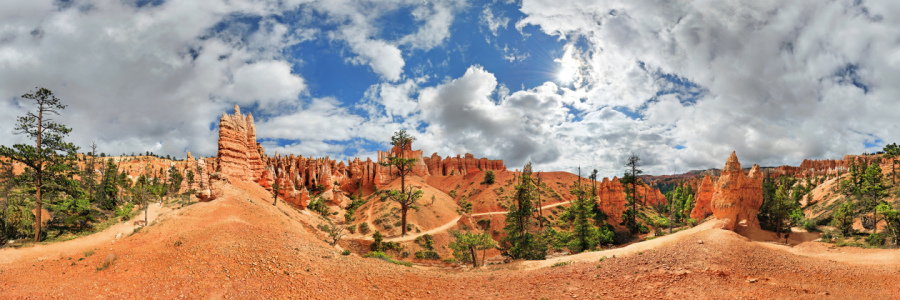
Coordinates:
876	239
318	205
364	228
376	244
425	241
427	255
125	210
345	252
352	228
488	177
562	263
383	256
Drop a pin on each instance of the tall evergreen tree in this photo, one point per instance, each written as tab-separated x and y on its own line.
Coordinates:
521	241
585	235
629	216
407	197
891	152
872	190
51	153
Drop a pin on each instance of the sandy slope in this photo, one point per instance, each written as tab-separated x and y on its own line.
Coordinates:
242	247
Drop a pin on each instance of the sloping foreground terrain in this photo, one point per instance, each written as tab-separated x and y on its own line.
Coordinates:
241	247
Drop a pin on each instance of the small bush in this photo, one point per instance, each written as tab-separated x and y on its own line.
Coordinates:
345	252
450	260
809	225
125	211
426	241
876	239
488	177
692	222
88	253
383	256
364	228
562	263
427	255
107	262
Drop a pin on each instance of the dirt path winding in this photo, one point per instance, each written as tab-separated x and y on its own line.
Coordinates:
444	227
72	247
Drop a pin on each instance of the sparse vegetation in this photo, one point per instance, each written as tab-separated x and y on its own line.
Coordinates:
383	256
561	263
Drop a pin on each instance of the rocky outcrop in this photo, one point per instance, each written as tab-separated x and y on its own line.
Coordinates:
460	166
702	199
386	174
737	197
611	199
299	179
813	167
239	156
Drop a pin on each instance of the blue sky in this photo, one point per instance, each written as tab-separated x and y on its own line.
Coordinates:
560	84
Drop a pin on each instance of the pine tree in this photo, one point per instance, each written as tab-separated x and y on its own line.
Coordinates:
464	245
629	216
50	154
584	233
891	152
520	240
407	197
872	190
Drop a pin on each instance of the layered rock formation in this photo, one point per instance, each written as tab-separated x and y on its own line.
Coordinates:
239	156
299	179
813	167
611	199
702	199
418	169
737	197
460	166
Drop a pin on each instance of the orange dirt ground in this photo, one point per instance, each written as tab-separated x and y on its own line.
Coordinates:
242	247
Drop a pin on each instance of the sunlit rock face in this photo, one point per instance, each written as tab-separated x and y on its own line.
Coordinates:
737	196
703	199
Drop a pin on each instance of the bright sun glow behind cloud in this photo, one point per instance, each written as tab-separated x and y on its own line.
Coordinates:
569	67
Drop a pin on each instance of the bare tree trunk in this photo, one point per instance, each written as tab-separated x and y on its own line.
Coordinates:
540	204
403	209
39	173
474	257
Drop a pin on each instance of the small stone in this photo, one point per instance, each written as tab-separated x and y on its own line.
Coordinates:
752	280
700	242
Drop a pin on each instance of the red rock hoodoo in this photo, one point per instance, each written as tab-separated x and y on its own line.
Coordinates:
737	197
299	179
704	196
460	166
240	156
612	199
